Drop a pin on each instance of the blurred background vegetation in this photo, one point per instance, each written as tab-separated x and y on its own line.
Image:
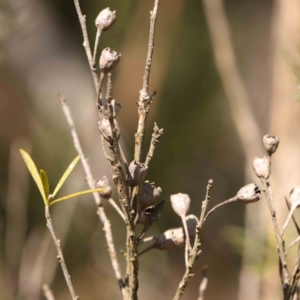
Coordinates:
41	55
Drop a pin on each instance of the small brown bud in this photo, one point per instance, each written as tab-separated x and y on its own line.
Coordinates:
105	19
138	172
180	203
294	199
271	143
145	214
262	167
148	193
192	222
108	60
169	239
249	193
105	129
104	184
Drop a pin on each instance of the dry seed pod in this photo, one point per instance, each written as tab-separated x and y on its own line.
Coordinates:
262	167
148	193
271	143
116	107
104	184
145	214
105	19
108	60
249	193
180	203
192	222
169	239
105	129
294	198
138	172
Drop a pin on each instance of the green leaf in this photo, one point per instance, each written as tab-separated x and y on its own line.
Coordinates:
66	174
76	194
34	173
45	182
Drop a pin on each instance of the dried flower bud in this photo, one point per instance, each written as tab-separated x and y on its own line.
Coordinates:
262	167
192	222
148	193
249	193
180	203
116	107
108	60
105	19
105	129
294	199
145	214
138	172
271	143
169	239
104	184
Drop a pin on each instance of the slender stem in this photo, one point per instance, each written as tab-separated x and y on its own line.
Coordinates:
292	244
143	106
116	207
218	206
100	84
100	210
203	283
280	243
187	241
60	256
157	133
98	34
48	292
109	88
146	250
86	43
196	248
288	219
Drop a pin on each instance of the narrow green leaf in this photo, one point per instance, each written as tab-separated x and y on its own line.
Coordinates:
66	174
45	182
76	194
34	173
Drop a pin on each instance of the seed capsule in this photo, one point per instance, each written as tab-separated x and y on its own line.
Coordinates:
249	193
169	239
105	19
270	143
148	193
105	129
104	184
108	60
262	167
180	203
138	172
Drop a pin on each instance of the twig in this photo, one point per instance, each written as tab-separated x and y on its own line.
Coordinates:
143	106
218	206
292	244
270	201
187	241
157	133
60	256
48	292
288	219
116	207
294	220
98	34
196	248
203	283
86	43
90	181
109	88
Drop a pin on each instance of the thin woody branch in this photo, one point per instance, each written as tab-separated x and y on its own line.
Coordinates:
143	106
90	181
157	133
203	284
48	292
60	256
196	248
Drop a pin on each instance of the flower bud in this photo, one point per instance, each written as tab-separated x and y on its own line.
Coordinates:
169	239
148	193
295	197
249	193
271	143
262	167
105	19
108	60
105	129
180	203
192	222
104	184
137	172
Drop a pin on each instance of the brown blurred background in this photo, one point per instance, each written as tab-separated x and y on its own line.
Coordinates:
41	55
